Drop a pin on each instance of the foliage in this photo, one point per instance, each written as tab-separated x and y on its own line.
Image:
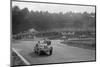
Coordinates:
23	20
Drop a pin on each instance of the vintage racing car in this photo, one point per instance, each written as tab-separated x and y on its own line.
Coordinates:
45	47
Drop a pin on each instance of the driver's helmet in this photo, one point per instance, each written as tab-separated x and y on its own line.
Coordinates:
45	40
38	41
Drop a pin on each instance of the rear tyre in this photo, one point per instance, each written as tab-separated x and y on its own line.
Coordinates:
34	51
51	52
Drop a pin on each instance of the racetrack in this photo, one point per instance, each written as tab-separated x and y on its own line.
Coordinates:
61	53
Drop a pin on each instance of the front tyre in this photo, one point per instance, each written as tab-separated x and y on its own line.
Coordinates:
50	52
39	53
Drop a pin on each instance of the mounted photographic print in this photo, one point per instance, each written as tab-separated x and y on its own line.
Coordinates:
52	33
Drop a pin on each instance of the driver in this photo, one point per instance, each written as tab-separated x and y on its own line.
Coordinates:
48	42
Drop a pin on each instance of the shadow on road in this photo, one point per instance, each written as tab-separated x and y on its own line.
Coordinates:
32	54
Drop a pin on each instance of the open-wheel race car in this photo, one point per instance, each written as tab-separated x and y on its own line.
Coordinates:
44	47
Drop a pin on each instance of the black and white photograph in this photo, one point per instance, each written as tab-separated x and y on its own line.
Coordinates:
52	33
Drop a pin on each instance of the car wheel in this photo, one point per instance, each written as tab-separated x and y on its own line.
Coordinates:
35	51
39	53
51	52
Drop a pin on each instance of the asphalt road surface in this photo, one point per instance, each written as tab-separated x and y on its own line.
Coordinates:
61	53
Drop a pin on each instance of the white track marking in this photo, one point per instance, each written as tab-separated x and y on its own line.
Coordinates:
23	59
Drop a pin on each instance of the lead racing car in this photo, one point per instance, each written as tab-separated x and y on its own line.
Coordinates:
45	47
